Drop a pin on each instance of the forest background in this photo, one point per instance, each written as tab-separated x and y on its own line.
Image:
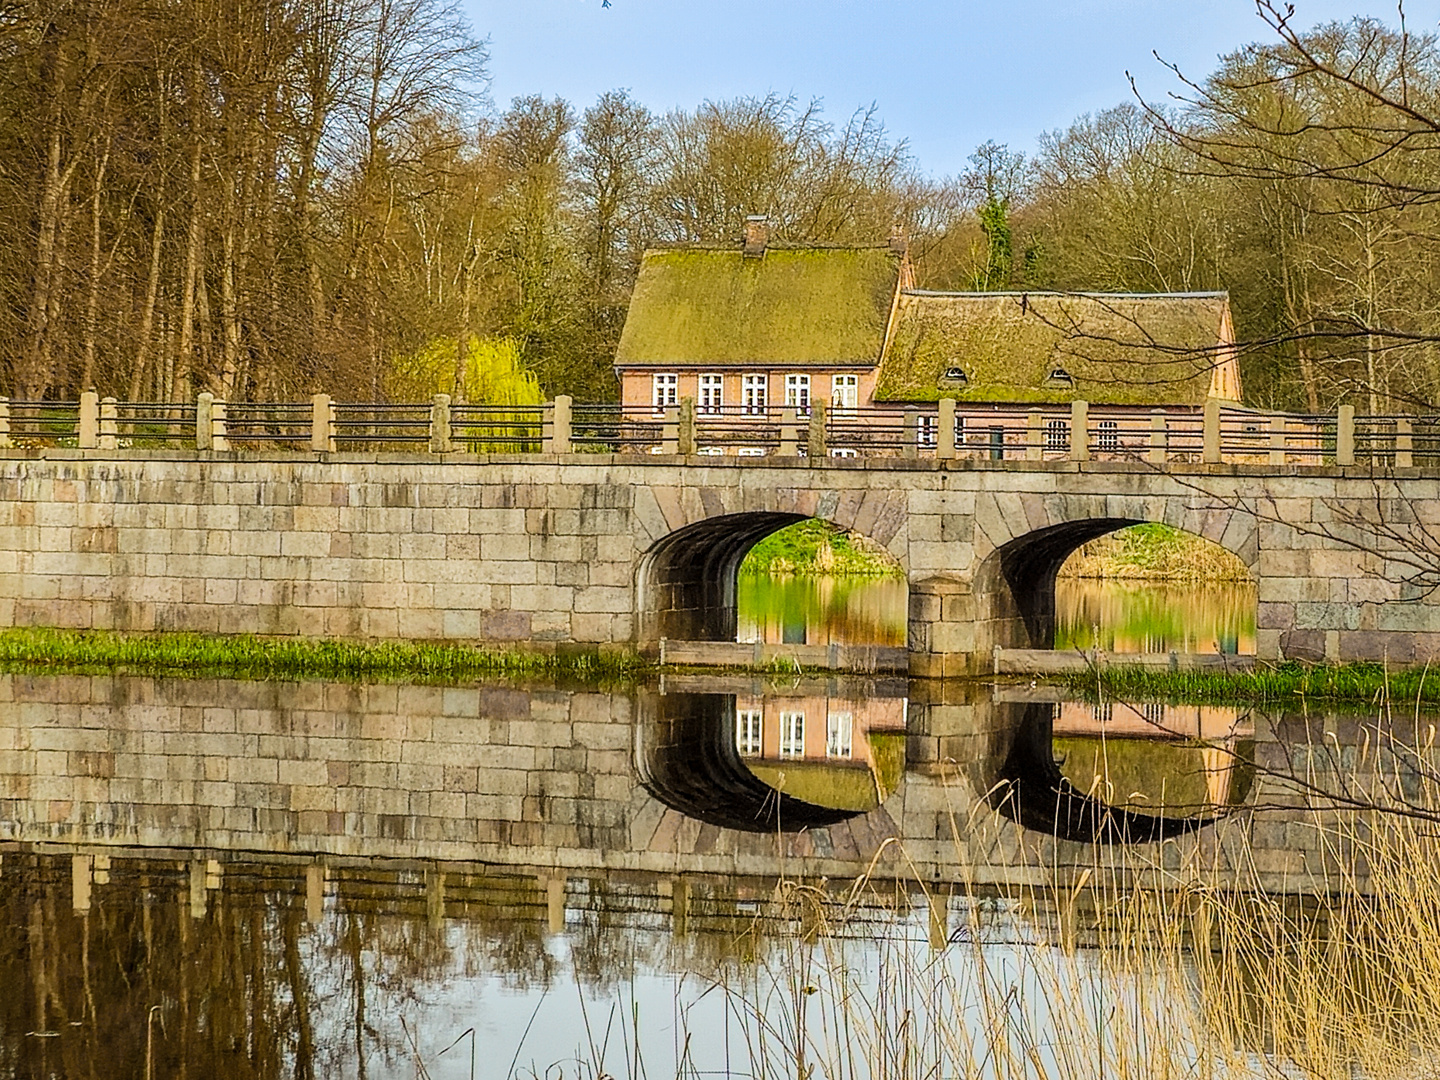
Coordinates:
270	198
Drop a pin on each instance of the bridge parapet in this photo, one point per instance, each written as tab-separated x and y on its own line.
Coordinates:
949	429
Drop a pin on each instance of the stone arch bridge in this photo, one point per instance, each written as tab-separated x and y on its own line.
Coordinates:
580	549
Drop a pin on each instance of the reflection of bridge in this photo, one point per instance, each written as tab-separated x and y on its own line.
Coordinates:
588	781
602	549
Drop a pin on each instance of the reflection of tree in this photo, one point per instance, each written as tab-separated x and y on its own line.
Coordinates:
852	611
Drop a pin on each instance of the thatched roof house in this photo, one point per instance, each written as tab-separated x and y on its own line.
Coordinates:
758	326
1107	348
697	307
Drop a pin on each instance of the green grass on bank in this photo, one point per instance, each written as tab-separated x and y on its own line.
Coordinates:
1155	552
816	548
289	658
1359	684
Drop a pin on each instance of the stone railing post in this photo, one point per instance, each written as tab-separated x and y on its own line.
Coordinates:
4	422
685	435
322	431
1034	436
1079	431
670	431
219	437
557	425
89	428
1345	435
109	424
815	442
1159	438
945	436
1277	440
910	438
789	434
440	441
1404	444
204	421
1210	433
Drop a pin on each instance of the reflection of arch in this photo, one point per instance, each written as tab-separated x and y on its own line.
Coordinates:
1029	789
686	757
1014	584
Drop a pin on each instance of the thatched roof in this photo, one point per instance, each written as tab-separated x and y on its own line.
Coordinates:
1118	348
788	306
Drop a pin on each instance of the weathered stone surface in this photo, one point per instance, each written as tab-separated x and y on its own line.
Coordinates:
559	550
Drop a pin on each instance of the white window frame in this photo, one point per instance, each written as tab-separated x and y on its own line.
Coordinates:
797	392
1107	437
664	390
792	734
710	394
927	430
845	392
959	431
754	394
750	732
1057	435
839	734
750	451
844	452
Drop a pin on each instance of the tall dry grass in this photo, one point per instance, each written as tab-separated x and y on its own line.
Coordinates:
1139	967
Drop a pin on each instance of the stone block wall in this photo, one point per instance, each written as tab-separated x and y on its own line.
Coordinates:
588	549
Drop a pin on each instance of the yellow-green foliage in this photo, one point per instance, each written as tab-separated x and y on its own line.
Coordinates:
1155	552
493	373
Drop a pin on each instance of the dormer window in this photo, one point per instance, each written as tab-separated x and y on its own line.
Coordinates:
1059	379
954	378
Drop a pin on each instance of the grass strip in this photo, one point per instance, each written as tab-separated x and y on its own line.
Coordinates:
1356	683
34	649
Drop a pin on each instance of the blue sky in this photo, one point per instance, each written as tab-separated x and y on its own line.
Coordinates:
946	74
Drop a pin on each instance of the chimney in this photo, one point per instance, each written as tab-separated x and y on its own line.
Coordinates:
757	235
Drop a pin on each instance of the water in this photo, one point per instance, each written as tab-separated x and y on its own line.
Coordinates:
308	877
822	610
1143	617
1155	617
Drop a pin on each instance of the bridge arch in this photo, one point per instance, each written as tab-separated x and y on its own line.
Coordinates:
686	578
1014	584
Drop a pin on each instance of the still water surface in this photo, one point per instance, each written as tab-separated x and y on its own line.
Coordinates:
325	879
1144	617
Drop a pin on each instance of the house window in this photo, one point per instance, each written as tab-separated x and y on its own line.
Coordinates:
797	392
1057	435
838	729
959	431
927	431
792	734
755	394
1108	437
712	393
664	391
845	391
749	732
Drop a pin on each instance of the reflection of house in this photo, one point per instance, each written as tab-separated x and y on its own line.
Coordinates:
1148	755
846	752
749	330
1151	720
